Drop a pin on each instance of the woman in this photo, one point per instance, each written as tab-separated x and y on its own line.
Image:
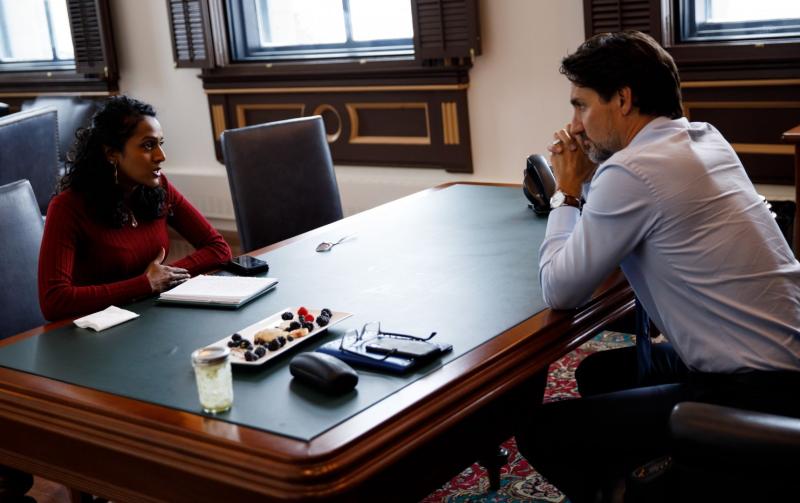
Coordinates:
105	235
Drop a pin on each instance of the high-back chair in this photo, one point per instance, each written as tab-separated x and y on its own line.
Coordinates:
729	454
73	114
282	180
21	227
30	151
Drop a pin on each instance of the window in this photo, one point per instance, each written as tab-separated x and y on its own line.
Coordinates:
55	46
388	77
34	34
319	29
719	20
739	62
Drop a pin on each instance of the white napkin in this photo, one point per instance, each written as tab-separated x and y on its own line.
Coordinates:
107	318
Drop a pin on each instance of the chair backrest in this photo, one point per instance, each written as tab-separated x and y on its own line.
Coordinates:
29	151
282	180
73	113
21	227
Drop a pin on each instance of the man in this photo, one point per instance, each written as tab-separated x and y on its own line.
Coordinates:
668	202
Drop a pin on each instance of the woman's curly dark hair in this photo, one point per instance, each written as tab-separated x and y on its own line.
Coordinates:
89	172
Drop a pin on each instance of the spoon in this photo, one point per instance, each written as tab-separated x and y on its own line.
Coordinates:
326	246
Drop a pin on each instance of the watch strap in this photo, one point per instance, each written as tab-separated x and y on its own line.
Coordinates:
572	201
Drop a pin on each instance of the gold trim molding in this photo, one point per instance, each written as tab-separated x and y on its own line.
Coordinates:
763	148
218	120
741	104
737	105
242	109
741	83
356	137
322	108
450	123
338	89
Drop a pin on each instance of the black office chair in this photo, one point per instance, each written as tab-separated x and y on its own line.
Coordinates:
30	151
282	180
728	454
73	114
21	227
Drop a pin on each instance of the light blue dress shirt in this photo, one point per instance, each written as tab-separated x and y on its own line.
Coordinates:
676	211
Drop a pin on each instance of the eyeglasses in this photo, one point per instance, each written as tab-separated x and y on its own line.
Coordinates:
372	330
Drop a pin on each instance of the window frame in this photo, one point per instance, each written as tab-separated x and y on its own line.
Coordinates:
94	69
710	60
36	65
727	59
245	52
692	31
394	111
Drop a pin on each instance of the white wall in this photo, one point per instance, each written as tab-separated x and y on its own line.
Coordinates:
516	99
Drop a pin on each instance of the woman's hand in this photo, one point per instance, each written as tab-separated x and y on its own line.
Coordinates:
164	277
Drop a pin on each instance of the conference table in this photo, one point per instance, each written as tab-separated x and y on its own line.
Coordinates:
115	413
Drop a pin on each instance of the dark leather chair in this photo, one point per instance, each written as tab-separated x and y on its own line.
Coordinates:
73	113
282	180
21	227
30	151
728	454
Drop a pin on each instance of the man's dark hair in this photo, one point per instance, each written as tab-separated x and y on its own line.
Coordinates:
89	172
610	61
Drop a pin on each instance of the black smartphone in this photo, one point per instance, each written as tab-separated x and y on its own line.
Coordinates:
402	347
245	265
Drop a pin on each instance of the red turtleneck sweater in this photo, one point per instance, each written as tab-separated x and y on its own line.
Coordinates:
86	266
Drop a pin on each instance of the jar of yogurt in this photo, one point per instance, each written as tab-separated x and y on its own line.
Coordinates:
212	370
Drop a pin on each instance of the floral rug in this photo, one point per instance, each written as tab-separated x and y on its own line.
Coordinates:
518	481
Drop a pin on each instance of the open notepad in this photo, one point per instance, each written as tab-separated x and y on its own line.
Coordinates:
224	291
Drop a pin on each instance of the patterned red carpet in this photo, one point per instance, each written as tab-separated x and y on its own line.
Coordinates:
519	482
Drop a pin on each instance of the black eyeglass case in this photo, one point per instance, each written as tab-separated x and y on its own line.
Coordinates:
324	372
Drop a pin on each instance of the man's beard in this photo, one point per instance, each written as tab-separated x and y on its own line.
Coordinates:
595	152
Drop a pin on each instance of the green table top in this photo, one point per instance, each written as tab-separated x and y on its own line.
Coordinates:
461	261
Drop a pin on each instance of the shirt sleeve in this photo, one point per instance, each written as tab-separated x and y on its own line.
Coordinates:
211	250
580	250
59	297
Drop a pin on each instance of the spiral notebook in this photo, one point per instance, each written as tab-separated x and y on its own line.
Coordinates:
219	291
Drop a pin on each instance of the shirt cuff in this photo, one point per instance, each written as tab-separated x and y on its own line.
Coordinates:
562	220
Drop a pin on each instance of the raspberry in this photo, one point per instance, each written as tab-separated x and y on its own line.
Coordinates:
309	318
302	311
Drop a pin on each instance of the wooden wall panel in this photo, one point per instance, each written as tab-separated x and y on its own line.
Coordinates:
417	126
752	115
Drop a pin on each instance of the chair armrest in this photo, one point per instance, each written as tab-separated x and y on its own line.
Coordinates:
716	437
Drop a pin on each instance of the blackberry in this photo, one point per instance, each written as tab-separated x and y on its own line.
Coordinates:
245	344
233	344
260	351
323	320
308	326
274	345
326	312
294	325
236	337
287	315
281	340
250	356
289	338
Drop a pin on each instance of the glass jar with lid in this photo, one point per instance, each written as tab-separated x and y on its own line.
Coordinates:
212	370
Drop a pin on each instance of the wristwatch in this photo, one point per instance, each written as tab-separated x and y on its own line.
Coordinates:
561	199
